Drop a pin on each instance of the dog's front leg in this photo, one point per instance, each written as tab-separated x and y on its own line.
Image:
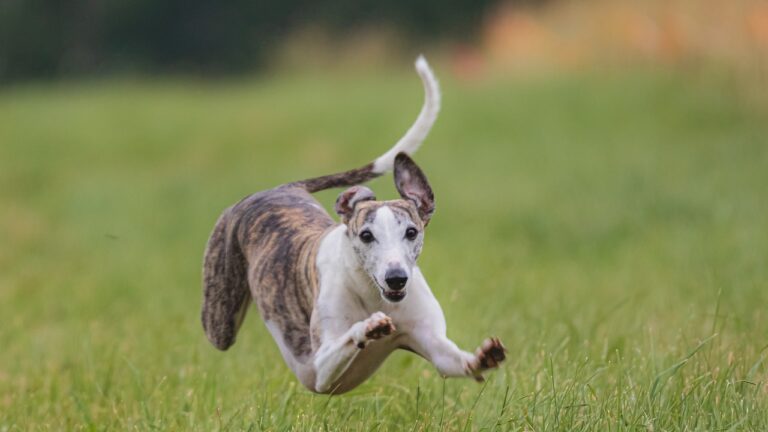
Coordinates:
427	336
336	354
451	361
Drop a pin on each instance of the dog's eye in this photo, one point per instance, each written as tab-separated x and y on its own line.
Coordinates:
411	233
366	236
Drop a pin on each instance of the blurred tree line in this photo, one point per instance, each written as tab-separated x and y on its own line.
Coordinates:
55	38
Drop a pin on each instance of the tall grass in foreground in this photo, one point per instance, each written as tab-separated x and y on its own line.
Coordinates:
611	230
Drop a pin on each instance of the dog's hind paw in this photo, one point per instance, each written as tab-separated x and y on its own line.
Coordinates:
378	326
489	355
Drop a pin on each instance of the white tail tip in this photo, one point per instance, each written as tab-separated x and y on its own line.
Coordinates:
412	139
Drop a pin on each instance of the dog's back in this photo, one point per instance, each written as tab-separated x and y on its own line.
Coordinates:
266	246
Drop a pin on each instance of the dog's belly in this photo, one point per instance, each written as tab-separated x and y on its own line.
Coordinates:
365	364
302	366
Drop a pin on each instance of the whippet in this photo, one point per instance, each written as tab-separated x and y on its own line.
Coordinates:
338	298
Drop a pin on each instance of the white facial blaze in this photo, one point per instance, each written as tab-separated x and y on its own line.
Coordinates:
390	242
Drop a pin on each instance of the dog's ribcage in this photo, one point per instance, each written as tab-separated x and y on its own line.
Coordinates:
281	232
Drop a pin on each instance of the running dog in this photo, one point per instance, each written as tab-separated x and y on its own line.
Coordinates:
338	298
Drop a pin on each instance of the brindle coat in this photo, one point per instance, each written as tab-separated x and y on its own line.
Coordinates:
264	247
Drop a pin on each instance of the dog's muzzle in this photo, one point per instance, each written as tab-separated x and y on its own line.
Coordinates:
396	280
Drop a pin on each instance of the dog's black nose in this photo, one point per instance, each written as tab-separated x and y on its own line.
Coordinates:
396	279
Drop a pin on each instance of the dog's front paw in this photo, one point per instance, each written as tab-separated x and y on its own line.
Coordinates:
378	326
489	355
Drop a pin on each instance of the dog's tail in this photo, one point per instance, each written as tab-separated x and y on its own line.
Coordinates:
408	144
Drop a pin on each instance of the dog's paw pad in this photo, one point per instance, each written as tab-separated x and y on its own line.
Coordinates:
490	354
378	326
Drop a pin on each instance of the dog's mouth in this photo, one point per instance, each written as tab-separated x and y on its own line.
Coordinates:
390	295
393	296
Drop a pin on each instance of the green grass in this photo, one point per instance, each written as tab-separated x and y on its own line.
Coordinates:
612	229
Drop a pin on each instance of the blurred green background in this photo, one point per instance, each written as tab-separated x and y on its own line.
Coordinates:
600	172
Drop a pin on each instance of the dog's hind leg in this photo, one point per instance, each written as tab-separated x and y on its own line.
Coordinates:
225	284
334	356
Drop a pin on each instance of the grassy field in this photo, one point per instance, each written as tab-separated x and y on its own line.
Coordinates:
611	229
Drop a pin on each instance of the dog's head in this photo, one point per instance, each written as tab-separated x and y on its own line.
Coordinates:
387	236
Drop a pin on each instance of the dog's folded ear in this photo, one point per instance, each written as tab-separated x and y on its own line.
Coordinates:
347	200
412	184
